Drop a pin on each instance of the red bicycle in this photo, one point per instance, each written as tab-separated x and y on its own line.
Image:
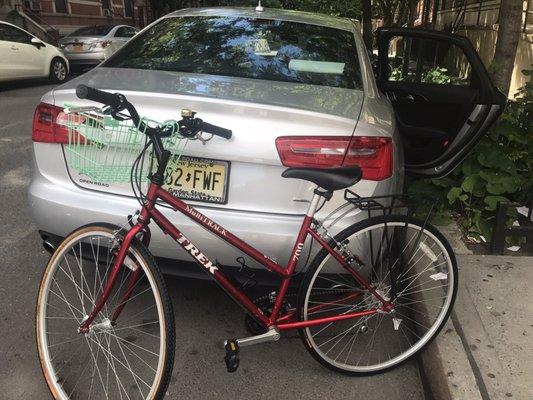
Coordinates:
373	296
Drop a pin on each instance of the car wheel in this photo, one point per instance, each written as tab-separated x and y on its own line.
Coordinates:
58	70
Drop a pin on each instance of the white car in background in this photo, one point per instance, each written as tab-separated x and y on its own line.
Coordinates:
24	56
90	45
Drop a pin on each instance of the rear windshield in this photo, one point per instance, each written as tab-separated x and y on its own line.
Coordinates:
92	31
248	48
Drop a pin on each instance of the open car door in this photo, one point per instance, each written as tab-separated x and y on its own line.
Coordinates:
442	96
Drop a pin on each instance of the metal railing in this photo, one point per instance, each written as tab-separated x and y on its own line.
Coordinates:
51	33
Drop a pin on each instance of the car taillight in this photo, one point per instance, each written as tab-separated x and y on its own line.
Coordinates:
372	154
101	44
49	124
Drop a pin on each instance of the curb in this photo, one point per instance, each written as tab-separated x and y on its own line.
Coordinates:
447	363
447	368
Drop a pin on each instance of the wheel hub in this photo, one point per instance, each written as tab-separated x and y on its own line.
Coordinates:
104	326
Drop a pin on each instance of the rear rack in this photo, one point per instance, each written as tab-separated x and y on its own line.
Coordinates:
382	205
385	204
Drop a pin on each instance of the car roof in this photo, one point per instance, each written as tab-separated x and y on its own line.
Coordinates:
271	13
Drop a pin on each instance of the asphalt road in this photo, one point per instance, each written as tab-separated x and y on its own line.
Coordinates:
204	315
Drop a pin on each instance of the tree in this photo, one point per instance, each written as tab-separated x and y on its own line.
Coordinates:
387	10
367	23
509	24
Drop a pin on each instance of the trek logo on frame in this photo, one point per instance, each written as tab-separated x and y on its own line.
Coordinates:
197	254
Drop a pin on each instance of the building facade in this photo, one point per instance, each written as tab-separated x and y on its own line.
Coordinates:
51	19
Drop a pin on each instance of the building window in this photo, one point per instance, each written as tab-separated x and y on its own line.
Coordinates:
61	6
128	8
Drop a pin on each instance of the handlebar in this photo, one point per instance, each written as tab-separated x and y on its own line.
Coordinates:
111	99
189	126
216	130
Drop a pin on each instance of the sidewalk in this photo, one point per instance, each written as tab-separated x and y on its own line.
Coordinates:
485	352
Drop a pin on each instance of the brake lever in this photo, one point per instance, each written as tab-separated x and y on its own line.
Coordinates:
70	110
202	139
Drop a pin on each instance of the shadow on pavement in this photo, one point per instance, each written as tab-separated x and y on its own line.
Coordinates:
31	83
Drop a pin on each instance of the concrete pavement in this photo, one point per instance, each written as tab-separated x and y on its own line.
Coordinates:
484	352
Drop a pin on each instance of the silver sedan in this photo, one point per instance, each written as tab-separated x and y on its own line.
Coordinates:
296	89
90	45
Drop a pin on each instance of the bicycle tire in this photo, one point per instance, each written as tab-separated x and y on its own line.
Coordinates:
322	255
156	282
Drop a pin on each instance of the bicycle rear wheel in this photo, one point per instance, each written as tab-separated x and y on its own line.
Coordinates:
410	263
131	359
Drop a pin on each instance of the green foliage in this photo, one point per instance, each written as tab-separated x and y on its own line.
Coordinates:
437	75
499	169
441	75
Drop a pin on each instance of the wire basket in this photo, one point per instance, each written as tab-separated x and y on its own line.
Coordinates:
104	149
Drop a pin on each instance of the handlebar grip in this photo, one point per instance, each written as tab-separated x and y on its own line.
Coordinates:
216	130
90	93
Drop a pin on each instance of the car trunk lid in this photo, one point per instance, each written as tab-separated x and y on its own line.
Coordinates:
256	111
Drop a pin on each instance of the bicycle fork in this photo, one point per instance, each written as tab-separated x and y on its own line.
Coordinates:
111	280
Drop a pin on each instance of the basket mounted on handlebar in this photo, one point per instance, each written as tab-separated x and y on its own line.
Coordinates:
104	149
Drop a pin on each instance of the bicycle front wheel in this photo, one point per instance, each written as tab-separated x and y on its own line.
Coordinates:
408	262
128	359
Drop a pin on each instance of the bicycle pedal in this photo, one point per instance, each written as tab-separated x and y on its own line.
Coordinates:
232	355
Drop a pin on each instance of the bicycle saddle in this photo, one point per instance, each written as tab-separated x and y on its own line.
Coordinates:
327	178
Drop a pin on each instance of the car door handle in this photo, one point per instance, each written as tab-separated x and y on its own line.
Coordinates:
14	48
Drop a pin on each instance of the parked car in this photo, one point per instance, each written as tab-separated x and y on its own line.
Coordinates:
297	89
24	56
90	45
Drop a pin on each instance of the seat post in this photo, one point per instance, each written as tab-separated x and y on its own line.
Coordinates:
313	206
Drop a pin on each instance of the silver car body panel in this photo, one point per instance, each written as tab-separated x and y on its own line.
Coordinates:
263	209
88	55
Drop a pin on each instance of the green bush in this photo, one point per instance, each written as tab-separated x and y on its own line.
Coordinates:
500	168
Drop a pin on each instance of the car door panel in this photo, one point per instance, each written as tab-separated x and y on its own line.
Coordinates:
22	59
7	61
441	112
428	110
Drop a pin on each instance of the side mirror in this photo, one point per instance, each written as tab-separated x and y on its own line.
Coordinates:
37	43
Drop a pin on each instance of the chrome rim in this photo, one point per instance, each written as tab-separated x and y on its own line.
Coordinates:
60	71
124	361
379	341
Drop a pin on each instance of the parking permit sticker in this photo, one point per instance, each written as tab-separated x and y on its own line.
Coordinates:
396	322
440	276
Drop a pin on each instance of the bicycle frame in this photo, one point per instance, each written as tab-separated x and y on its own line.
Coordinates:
282	322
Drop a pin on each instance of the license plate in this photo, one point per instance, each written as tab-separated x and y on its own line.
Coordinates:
77	47
198	179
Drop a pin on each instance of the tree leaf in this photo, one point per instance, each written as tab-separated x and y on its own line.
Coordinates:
453	194
500	182
498	159
492	202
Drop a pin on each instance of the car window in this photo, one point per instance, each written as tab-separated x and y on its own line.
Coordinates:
101	30
427	61
246	47
125	32
11	34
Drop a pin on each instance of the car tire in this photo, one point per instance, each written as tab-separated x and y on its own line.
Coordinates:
58	70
